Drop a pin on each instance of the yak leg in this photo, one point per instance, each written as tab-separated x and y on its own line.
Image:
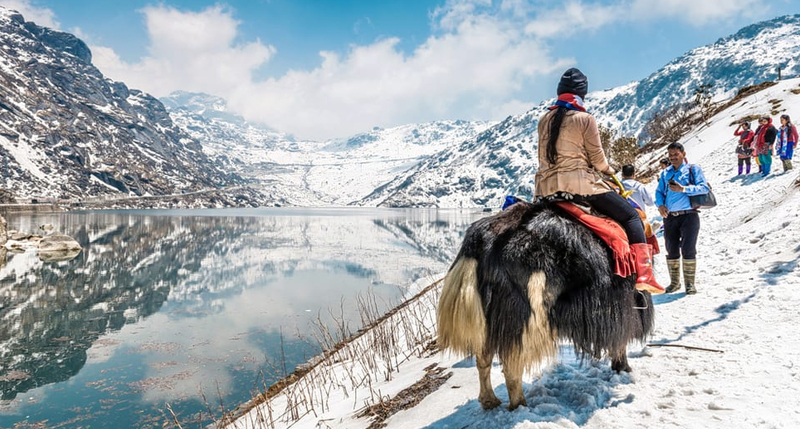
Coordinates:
512	369
619	361
486	397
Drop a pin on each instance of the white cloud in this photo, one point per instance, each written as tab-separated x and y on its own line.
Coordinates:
693	11
40	15
480	57
477	63
576	17
454	12
478	60
189	51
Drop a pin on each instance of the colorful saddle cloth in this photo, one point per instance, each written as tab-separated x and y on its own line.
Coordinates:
610	232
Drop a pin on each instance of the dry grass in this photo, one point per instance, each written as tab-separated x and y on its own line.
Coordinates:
409	397
350	364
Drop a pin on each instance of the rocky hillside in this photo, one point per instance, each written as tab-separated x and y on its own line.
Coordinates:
750	56
226	138
66	131
477	172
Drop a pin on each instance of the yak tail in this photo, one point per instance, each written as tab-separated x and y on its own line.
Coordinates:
460	318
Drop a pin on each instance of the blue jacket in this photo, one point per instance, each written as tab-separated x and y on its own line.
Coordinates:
677	201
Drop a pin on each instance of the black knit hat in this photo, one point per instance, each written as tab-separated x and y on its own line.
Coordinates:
573	82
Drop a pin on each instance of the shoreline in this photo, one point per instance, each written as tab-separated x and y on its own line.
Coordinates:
32	208
240	411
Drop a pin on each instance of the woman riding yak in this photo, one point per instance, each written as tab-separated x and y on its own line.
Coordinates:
570	152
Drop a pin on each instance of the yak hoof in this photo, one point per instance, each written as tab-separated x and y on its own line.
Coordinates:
514	404
620	365
489	402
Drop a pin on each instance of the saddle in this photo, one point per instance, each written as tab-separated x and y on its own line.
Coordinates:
609	231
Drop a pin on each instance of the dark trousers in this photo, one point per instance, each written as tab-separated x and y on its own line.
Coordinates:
680	235
614	206
744	161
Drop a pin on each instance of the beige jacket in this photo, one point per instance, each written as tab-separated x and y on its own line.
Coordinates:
580	153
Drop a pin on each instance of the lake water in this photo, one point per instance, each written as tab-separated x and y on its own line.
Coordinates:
190	308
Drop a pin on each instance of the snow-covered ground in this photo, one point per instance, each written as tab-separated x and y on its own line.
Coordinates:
746	314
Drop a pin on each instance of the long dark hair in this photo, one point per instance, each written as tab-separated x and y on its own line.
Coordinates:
555	130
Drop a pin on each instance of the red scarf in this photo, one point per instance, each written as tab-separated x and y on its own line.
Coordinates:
570	101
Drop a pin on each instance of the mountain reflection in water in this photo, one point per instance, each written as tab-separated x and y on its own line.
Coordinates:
169	306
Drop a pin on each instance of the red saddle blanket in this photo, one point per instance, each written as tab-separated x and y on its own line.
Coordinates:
611	233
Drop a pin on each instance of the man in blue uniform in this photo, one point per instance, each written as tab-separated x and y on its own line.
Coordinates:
681	221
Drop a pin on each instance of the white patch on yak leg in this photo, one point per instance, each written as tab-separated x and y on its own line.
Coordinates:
539	343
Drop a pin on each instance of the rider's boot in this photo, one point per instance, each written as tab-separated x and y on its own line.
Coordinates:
644	269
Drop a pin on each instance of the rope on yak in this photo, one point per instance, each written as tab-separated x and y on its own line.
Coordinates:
625	194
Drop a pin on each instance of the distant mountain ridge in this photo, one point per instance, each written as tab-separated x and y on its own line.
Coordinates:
333	172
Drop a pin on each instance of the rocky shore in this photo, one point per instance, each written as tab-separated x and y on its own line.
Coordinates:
51	246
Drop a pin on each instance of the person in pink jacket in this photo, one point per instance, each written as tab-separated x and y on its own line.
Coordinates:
571	155
787	140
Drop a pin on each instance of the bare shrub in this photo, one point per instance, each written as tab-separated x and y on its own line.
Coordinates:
624	150
619	150
670	124
702	101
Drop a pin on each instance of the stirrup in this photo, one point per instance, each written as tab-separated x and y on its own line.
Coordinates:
644	298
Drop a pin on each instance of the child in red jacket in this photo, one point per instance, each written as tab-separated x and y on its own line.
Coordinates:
744	149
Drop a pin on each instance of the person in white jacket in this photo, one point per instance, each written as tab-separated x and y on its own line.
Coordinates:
640	195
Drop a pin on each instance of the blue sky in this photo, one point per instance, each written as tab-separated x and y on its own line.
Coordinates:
322	69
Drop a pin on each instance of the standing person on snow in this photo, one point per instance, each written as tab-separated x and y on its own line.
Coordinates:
744	150
787	140
570	153
765	139
681	220
640	196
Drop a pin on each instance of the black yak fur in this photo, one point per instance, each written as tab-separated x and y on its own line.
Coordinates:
527	278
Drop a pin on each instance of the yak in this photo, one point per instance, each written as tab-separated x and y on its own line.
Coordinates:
525	279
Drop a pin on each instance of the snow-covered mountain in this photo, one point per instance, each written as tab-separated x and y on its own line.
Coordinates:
226	137
333	172
476	173
66	131
750	56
